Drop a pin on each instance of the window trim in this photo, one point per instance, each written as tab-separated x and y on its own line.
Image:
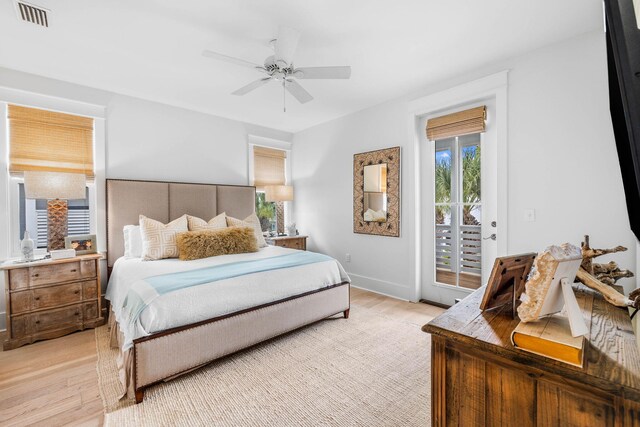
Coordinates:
494	86
255	140
9	201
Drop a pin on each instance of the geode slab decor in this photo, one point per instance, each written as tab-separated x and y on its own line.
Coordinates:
543	294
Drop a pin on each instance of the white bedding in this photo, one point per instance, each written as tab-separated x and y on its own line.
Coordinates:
214	299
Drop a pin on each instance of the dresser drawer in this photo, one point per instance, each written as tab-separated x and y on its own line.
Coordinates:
24	278
52	296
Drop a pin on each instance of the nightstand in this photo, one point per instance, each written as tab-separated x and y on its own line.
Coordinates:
291	242
49	299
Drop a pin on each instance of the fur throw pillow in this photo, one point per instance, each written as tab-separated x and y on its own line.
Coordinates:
250	221
208	243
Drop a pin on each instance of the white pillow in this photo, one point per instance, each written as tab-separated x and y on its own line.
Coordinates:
158	239
250	221
215	223
132	241
369	214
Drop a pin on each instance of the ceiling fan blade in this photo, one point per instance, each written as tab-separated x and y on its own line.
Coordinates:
251	86
323	72
231	59
298	91
286	44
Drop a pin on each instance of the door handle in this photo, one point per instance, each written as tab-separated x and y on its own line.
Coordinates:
492	237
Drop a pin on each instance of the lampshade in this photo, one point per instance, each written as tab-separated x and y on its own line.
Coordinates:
278	193
54	185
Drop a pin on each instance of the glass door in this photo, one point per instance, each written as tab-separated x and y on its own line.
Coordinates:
458	212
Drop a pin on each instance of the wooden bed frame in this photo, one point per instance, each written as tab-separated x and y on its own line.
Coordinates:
167	354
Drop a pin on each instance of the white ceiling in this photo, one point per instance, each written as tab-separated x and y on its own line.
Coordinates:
152	49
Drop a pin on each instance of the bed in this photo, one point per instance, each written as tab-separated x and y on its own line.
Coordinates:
186	329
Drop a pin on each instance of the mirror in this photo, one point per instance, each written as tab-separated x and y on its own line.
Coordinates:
376	192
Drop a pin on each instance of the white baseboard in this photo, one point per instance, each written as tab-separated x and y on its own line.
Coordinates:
390	289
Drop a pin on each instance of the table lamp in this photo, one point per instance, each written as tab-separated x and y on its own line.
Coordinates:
57	188
279	194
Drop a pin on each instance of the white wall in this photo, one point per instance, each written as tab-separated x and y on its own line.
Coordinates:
561	162
148	140
323	179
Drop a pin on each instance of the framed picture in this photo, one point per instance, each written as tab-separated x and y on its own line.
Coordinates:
507	280
82	243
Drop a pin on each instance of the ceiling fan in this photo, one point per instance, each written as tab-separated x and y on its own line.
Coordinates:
279	67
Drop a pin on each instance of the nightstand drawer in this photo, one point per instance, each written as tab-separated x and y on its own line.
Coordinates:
29	324
64	318
56	319
291	244
52	296
52	273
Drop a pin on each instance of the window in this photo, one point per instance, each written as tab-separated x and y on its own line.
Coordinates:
269	168
33	217
42	140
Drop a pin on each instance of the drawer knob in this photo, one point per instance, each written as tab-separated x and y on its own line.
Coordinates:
36	275
76	292
77	313
37	298
37	321
74	270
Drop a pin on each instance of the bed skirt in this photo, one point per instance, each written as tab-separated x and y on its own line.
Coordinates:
168	354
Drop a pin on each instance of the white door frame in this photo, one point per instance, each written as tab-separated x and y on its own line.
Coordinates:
493	86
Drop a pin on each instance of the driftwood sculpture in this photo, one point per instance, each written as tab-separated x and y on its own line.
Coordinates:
600	277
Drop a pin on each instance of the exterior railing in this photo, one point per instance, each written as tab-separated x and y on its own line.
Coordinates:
468	258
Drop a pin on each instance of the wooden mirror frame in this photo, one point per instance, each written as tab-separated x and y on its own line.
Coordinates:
390	156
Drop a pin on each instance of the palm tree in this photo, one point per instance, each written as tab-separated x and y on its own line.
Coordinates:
443	187
471	173
266	211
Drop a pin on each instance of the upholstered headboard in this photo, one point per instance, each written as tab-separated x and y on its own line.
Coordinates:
166	201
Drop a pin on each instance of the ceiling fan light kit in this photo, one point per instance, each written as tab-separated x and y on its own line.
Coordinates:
279	67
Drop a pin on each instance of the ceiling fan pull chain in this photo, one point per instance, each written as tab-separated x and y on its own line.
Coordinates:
284	97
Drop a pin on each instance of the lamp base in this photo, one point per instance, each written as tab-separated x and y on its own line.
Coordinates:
57	211
280	217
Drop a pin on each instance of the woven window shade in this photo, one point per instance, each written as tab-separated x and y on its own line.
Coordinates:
268	166
457	124
41	140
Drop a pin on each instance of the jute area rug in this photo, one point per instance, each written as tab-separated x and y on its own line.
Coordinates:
369	370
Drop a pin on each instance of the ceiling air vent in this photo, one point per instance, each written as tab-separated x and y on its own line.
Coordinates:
32	13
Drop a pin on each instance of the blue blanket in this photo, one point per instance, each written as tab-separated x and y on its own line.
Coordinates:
143	292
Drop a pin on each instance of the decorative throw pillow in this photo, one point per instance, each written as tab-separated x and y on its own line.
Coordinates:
216	223
250	221
158	239
208	243
132	241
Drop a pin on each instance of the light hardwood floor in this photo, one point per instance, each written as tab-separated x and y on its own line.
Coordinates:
55	382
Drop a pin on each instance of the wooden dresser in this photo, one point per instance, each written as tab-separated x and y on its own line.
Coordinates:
479	379
291	242
48	299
